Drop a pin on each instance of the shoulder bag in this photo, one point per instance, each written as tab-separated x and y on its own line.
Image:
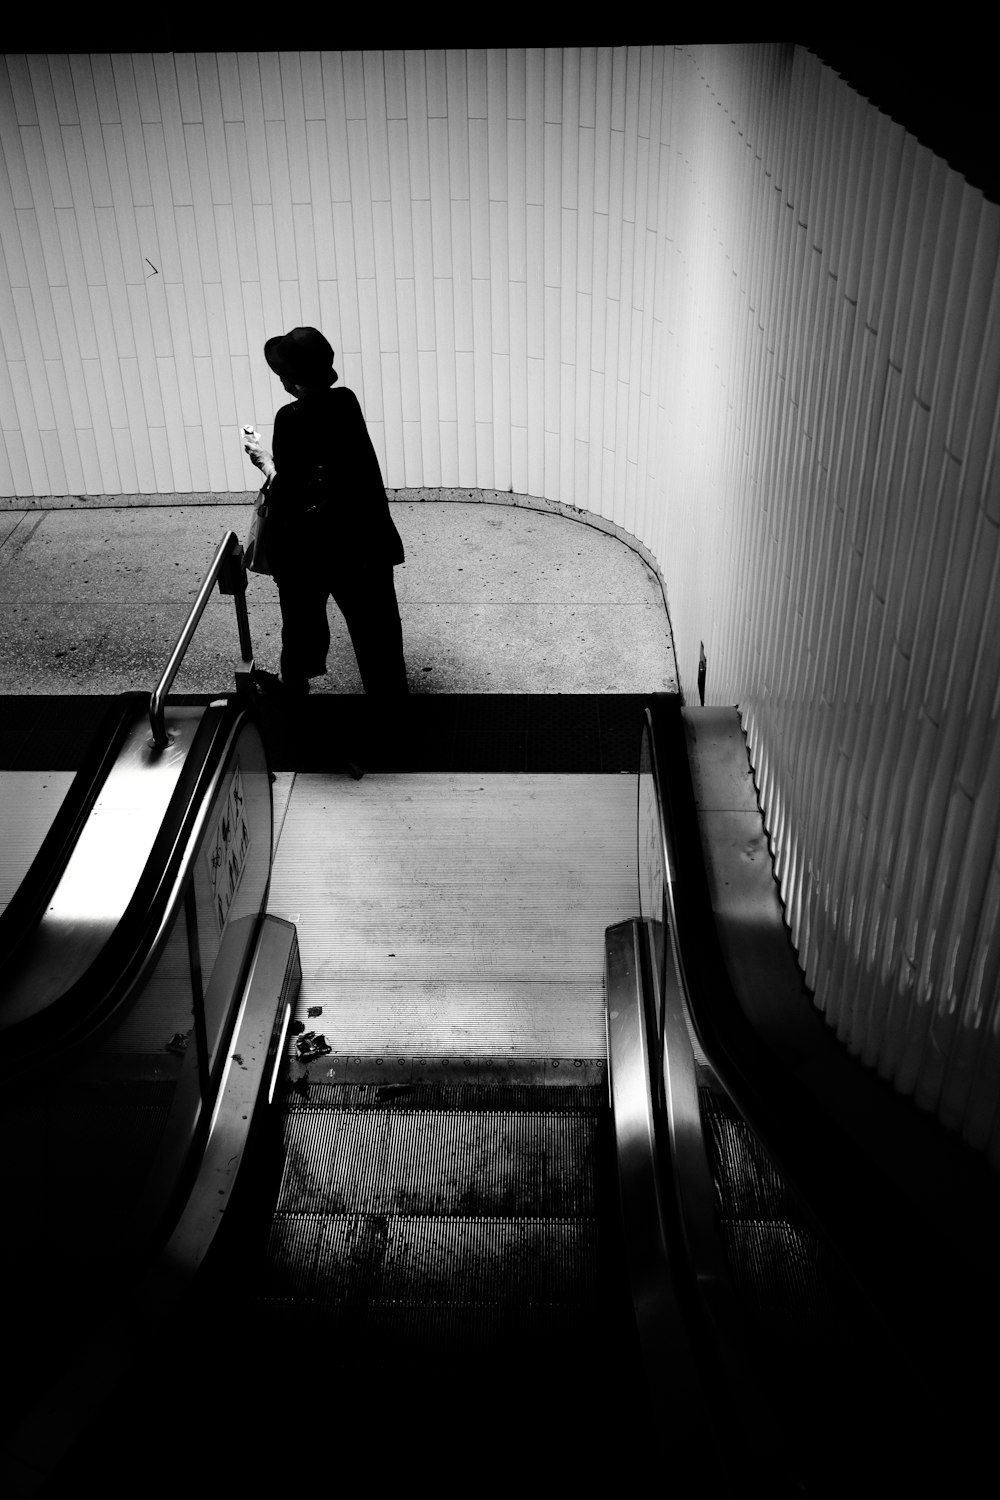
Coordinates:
255	551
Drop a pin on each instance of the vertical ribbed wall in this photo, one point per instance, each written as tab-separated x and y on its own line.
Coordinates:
835	408
478	233
709	294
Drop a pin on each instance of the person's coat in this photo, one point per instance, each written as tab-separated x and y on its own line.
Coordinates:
327	494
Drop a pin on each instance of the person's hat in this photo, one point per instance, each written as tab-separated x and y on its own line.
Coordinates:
303	355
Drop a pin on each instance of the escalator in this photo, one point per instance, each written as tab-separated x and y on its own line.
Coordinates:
424	1272
435	1255
472	1275
127	1005
144	996
834	1252
478	1266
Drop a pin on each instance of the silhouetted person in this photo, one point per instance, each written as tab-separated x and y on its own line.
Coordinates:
329	527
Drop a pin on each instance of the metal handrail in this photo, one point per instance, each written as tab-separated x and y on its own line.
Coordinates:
667	1079
229	571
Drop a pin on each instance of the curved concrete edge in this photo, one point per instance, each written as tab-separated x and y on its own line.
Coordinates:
431	495
404	496
553	507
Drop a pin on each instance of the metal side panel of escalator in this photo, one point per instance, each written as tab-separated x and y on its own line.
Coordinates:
74	1436
144	1011
84	920
115	1082
814	1290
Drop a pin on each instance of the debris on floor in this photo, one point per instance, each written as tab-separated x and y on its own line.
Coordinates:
310	1045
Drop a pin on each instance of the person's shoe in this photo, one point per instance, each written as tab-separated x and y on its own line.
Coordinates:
273	686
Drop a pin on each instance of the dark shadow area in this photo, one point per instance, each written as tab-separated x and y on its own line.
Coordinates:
477	732
940	88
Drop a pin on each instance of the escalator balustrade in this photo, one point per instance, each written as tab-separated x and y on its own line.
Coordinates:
821	1311
144	1003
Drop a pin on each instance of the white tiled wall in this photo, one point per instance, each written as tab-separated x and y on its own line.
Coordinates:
479	235
828	520
709	293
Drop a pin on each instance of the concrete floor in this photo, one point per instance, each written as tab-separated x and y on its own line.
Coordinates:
493	598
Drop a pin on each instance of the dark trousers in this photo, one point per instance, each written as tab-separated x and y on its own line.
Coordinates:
366	597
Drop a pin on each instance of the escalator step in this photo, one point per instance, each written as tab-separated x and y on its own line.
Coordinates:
384	1161
433	1213
474	1096
427	1273
746	1181
783	1287
791	1288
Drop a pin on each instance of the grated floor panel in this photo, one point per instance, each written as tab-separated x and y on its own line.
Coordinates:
436	1212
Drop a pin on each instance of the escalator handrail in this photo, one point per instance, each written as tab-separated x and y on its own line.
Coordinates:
681	1289
645	1207
35	889
894	1253
181	1144
227	570
93	1003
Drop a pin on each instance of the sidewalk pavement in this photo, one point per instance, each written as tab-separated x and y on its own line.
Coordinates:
493	598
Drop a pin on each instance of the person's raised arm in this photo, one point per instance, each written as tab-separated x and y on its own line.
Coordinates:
258	455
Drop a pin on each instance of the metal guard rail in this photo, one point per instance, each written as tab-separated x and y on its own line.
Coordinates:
229	571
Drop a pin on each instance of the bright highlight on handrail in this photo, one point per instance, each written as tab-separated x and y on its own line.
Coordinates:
229	572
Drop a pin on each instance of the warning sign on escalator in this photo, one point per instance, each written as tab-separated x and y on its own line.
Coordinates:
228	849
